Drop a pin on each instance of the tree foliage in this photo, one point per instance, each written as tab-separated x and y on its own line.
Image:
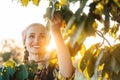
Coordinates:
99	60
11	50
10	70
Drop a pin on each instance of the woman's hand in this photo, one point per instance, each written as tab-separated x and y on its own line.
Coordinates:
55	23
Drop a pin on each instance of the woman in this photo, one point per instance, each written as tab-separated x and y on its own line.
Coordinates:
36	38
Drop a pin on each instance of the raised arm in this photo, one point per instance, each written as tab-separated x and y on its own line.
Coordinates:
64	58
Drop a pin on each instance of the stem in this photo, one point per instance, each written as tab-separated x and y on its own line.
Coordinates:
101	35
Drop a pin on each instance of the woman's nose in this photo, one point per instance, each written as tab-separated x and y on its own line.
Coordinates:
36	39
39	39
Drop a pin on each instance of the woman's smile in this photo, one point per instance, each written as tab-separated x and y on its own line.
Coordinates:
36	47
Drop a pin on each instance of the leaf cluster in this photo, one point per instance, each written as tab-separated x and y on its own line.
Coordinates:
79	25
10	70
101	63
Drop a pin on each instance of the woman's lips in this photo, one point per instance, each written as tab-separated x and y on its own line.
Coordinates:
36	46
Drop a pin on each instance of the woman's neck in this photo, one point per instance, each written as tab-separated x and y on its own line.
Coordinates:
40	59
35	57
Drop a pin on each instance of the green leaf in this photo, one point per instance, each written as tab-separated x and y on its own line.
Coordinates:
32	64
36	2
115	2
102	63
66	13
115	52
90	25
79	34
64	2
31	68
24	2
93	5
115	61
73	1
113	31
82	50
48	13
91	66
107	19
74	50
76	15
70	23
84	61
31	74
86	58
21	72
80	9
115	67
6	73
11	71
54	5
1	76
1	70
10	63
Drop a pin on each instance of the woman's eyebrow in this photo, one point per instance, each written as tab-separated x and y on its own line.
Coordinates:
42	33
32	33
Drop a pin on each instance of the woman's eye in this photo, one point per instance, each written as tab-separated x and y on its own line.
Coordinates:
42	36
31	36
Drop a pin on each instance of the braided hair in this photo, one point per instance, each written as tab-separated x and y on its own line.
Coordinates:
26	55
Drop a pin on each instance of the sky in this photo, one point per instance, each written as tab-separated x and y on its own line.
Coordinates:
14	17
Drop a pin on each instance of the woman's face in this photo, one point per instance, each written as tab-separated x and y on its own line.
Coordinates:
36	40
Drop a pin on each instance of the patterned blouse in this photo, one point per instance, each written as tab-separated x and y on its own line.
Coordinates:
49	71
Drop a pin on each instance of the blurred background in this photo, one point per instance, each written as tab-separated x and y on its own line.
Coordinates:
13	19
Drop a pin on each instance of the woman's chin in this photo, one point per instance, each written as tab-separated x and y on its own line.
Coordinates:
39	51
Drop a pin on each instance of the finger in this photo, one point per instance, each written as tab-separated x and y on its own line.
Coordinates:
57	15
